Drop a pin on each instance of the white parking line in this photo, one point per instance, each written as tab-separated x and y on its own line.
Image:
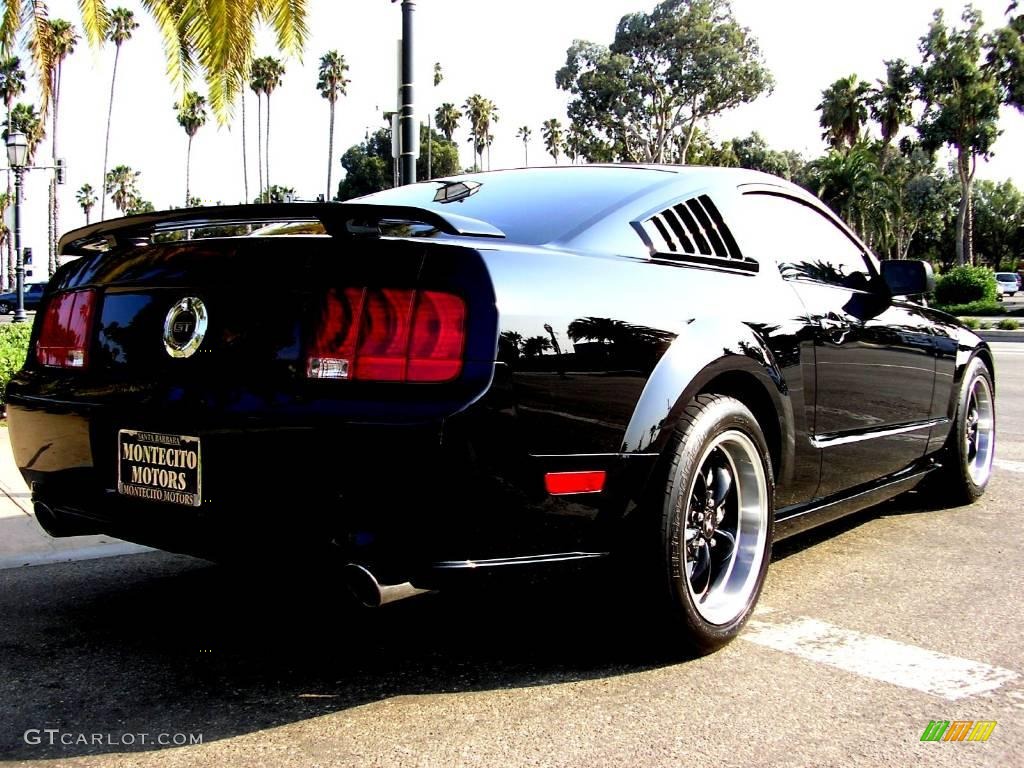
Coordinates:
878	658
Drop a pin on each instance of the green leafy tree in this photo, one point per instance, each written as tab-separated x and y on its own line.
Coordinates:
1006	57
754	153
665	71
368	165
280	194
120	26
447	119
64	39
122	184
191	117
331	83
961	98
524	133
554	137
535	346
214	39
86	197
844	110
999	223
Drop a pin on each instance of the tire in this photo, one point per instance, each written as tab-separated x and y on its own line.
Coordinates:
967	457
5	308
713	585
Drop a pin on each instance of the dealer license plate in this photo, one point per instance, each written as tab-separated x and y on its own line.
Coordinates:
159	467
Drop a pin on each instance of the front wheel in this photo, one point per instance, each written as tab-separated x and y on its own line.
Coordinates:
5	308
970	449
717	522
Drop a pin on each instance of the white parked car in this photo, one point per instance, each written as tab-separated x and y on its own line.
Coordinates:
1008	283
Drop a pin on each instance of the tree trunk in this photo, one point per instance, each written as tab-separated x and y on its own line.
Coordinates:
188	169
330	152
106	144
961	216
259	142
8	282
430	149
87	216
245	162
526	155
689	138
266	149
969	218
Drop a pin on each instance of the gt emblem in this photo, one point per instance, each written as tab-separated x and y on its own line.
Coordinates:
185	327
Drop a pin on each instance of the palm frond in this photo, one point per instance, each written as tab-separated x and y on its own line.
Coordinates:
94	20
10	24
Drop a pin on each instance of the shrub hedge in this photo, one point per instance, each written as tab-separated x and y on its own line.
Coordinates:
13	348
966	284
974	308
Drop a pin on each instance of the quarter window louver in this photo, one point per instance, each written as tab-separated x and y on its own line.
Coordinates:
692	227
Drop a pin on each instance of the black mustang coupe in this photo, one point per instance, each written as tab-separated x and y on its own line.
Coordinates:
495	372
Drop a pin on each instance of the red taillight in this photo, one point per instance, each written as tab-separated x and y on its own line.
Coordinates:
388	334
64	336
561	483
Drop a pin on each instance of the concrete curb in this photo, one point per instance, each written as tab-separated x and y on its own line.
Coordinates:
23	542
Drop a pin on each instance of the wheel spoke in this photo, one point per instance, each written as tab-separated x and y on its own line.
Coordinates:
721	486
726	543
703	570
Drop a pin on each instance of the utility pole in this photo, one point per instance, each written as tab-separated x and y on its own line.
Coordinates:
407	161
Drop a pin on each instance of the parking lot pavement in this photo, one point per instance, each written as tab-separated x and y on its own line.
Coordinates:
868	630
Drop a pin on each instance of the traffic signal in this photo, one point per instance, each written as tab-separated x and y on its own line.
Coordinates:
62	170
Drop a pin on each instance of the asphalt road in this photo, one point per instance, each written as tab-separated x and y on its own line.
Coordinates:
868	630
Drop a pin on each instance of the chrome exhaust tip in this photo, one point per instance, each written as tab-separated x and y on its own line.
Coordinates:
371	593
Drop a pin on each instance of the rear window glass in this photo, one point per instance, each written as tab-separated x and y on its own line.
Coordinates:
533	206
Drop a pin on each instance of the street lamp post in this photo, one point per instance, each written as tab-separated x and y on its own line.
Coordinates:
17	158
407	119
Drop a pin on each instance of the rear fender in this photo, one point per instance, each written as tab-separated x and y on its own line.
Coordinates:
705	353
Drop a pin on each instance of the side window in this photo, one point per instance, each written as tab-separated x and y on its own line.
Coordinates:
804	243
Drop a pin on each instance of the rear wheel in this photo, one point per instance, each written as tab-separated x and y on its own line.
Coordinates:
5	308
717	521
967	461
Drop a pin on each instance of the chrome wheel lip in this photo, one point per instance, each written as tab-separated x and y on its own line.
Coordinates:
979	431
732	583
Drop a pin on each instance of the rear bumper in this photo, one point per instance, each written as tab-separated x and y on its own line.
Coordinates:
430	501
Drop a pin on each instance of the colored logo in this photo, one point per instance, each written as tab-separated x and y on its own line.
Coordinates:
958	730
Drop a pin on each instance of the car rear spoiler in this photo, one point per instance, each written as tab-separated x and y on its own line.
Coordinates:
335	218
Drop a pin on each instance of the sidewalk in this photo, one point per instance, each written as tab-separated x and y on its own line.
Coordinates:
23	542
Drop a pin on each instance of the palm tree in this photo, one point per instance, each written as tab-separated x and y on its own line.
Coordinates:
446	118
257	76
86	197
481	113
122	186
843	110
64	39
553	137
121	25
195	37
847	181
12	85
524	133
438	79
272	73
890	100
27	120
191	116
331	84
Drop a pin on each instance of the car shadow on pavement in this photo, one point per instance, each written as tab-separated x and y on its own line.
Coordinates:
158	643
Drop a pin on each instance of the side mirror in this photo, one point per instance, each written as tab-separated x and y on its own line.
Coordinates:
907	278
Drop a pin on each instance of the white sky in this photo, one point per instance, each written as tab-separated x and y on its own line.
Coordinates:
507	51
